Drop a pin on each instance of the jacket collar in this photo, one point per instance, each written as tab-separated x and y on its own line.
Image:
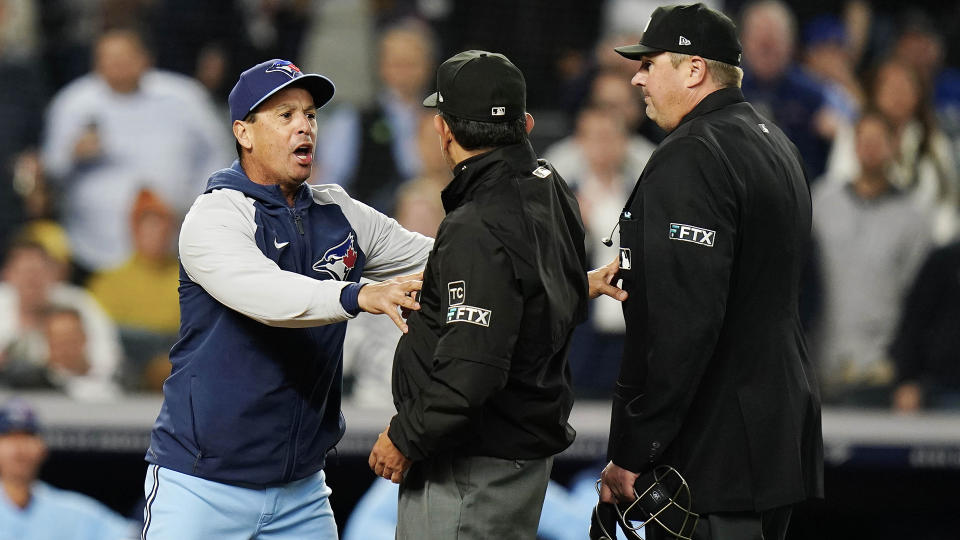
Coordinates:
715	100
472	172
235	178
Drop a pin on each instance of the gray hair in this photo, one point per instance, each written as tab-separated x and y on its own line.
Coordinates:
725	75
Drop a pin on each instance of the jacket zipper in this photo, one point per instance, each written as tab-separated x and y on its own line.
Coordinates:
298	221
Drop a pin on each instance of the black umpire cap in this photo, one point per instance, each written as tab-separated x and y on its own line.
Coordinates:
480	86
693	29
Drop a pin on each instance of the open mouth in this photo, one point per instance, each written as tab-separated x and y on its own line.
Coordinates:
304	153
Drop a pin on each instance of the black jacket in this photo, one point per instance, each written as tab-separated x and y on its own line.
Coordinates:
483	369
715	378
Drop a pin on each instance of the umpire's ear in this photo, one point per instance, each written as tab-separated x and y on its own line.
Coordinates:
242	134
529	118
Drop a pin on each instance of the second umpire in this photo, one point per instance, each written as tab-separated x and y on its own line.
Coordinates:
715	379
481	381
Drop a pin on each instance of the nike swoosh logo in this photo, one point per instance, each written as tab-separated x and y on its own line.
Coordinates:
279	245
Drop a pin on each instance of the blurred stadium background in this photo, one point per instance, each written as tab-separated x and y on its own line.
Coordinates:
114	114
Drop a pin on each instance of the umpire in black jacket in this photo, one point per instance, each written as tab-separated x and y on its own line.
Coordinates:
481	381
715	379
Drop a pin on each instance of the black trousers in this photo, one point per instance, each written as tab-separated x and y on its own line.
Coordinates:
767	525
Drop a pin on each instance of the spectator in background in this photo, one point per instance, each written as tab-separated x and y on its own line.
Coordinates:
32	283
370	152
66	340
141	294
612	92
778	88
122	128
371	340
924	164
609	163
871	239
33	510
22	94
928	338
921	45
828	57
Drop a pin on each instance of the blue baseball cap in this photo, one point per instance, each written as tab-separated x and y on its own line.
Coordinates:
267	78
17	416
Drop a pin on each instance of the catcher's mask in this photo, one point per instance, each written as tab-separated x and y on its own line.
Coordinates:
662	497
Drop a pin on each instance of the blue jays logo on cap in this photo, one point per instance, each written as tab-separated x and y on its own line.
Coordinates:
286	67
339	260
265	79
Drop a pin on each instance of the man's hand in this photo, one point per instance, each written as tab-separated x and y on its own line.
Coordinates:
601	280
386	460
616	484
385	297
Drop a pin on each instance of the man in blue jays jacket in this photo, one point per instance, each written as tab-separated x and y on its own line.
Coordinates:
269	274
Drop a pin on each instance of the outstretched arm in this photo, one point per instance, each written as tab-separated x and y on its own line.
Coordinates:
601	281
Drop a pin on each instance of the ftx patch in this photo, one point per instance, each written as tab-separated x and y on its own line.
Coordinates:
689	233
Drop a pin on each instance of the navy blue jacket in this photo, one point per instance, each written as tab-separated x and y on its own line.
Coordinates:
254	394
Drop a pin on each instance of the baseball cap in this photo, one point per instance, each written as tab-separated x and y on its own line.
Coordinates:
480	86
16	416
267	78
688	29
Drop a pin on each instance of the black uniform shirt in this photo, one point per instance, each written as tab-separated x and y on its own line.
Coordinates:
715	379
483	369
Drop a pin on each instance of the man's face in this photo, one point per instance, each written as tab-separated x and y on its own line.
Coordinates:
29	272
67	343
21	455
663	87
875	145
610	91
767	43
121	61
283	137
405	63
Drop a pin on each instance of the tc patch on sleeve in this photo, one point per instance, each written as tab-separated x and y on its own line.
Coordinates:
689	233
456	292
468	314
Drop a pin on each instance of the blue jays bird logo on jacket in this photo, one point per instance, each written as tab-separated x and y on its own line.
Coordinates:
339	260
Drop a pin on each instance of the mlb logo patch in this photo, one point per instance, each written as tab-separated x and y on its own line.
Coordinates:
498	111
541	172
689	233
626	260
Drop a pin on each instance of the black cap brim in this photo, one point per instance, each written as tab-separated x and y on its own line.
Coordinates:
634	52
431	100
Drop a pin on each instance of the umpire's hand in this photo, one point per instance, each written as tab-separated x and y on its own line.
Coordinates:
386	296
601	281
386	460
616	484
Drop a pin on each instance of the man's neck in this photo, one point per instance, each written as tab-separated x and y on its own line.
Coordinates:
17	492
458	154
870	186
258	176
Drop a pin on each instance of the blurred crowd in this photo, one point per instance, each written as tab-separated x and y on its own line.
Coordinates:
115	115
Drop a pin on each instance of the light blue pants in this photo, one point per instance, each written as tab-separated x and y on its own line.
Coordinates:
184	507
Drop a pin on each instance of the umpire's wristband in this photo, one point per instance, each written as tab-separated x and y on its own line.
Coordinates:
349	298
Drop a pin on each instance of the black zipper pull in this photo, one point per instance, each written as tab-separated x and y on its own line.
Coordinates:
299	222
